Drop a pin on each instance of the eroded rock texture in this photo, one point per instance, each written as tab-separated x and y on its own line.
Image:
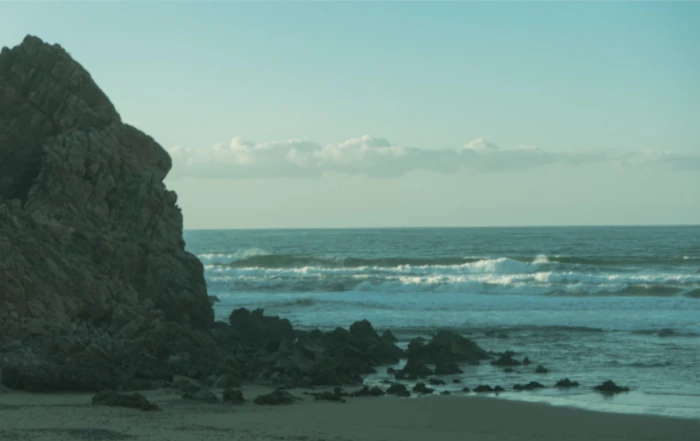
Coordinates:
90	238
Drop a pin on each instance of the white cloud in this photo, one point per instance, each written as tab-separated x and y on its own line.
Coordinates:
377	157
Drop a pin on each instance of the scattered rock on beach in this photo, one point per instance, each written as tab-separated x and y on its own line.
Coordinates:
466	389
566	383
337	394
421	388
609	387
234	396
116	399
367	391
541	369
399	390
276	397
203	395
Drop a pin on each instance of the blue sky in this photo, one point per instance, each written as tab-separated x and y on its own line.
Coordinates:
402	113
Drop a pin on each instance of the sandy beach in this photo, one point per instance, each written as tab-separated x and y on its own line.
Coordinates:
71	417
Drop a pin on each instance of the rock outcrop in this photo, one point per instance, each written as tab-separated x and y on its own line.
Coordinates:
91	245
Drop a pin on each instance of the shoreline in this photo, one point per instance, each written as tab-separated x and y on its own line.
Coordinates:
70	416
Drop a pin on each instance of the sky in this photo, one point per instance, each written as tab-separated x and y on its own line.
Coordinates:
387	114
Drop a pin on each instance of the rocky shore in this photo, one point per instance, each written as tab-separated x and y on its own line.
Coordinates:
97	290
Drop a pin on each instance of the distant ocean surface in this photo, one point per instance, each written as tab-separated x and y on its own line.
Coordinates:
590	303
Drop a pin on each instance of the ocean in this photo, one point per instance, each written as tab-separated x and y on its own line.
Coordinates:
589	303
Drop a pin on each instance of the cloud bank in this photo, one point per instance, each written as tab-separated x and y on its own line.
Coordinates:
377	157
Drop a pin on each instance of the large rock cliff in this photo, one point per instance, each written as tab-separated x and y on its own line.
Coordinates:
89	234
87	228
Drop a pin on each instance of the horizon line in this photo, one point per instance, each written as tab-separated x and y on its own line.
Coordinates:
448	227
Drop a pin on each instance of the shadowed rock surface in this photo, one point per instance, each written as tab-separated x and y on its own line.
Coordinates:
91	248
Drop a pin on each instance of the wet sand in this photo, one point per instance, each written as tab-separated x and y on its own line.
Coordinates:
71	417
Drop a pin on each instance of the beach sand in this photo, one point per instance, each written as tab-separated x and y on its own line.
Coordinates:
71	417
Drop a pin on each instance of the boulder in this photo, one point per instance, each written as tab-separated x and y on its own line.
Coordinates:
421	388
399	390
233	396
203	395
541	369
415	368
268	332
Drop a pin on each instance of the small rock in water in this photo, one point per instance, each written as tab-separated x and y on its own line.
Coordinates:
421	388
116	399
566	383
533	385
609	387
456	381
484	388
436	382
526	361
445	392
541	369
337	394
506	359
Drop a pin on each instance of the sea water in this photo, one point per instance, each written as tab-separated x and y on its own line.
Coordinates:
591	304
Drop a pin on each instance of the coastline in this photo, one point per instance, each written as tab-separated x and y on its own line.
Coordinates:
70	416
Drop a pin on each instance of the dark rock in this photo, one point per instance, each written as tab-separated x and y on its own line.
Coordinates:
486	389
508	370
421	388
526	361
436	382
234	396
94	271
204	395
277	397
389	337
337	395
399	390
134	400
566	383
609	387
465	389
456	381
366	391
533	385
391	371
445	392
506	359
541	369
414	369
446	347
447	369
261	330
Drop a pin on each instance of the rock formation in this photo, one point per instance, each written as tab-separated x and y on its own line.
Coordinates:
89	235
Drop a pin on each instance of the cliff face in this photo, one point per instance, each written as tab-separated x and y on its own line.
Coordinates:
88	232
